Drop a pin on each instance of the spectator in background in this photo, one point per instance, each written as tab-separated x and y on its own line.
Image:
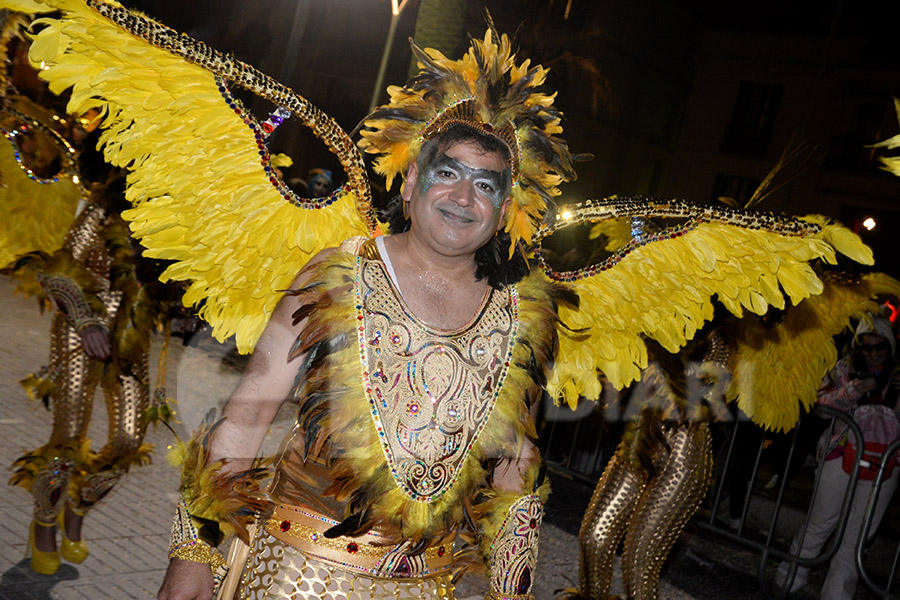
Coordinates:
865	384
319	183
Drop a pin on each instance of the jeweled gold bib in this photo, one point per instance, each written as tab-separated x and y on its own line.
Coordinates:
431	391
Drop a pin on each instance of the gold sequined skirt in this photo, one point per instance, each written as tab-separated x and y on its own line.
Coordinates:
276	570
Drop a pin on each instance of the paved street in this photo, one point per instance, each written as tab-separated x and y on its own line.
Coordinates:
128	532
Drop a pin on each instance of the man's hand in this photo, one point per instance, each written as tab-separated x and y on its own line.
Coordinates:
95	340
186	580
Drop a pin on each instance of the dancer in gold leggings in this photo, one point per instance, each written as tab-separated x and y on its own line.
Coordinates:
654	482
100	335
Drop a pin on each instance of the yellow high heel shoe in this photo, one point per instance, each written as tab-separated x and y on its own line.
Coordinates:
45	563
73	552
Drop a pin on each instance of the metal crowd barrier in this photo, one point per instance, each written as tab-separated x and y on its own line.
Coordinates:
574	443
883	590
773	549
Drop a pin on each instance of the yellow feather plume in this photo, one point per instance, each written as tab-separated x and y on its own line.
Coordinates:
778	370
201	197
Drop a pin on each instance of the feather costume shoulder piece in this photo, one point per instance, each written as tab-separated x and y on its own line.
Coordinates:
205	193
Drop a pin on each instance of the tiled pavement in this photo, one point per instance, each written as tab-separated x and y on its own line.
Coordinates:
128	532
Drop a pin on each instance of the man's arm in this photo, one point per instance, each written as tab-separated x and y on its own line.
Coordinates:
510	523
249	412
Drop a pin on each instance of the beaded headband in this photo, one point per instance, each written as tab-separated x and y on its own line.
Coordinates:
465	112
487	91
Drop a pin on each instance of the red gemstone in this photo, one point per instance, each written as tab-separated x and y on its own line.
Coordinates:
285	526
268	128
488	127
441	551
352	548
532	523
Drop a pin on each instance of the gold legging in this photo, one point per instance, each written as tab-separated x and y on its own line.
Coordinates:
75	378
649	512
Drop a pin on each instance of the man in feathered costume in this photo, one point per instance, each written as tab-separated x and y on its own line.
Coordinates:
417	358
436	438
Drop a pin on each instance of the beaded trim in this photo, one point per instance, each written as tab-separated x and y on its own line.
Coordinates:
640	208
67	152
299	530
342	544
323	126
426	468
261	134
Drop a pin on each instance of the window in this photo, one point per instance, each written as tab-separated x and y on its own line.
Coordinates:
752	119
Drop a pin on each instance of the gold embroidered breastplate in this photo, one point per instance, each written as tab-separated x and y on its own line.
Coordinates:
431	391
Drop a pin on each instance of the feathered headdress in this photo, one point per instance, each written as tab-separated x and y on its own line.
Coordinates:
487	91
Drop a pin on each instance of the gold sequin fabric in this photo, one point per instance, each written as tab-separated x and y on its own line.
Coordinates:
431	391
665	506
605	520
277	570
649	512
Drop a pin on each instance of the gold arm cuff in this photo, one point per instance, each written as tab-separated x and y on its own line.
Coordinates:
186	543
198	551
69	298
514	549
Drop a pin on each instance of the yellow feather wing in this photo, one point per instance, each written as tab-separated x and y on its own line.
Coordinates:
204	192
777	371
38	211
663	285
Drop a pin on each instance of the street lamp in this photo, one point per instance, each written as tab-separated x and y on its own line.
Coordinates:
396	9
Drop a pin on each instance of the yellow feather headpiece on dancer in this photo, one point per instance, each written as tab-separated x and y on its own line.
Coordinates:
487	91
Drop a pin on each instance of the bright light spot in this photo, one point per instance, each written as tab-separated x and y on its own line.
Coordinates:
75	178
44	66
869	223
56	117
567	215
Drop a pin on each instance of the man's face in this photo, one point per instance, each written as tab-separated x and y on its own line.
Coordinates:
458	199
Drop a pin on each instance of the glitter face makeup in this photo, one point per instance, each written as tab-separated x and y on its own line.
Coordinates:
446	170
